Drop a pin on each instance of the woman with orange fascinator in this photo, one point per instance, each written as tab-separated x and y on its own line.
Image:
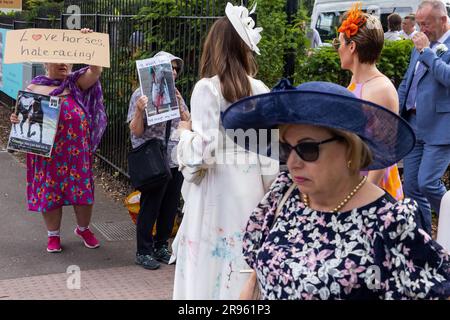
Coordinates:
360	42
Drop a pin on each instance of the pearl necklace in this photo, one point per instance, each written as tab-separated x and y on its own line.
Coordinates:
305	199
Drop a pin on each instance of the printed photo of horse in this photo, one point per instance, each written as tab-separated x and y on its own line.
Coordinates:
35	133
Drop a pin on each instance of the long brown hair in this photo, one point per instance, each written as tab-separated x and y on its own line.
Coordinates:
226	55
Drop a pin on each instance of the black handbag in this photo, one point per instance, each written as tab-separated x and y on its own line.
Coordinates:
148	165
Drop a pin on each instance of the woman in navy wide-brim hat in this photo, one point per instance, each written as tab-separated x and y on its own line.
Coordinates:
337	236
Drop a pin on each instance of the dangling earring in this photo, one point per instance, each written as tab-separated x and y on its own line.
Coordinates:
349	164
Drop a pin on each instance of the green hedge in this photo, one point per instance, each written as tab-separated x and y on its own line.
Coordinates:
323	64
278	39
37	8
395	59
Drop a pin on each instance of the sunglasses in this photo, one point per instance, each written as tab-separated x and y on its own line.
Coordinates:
307	151
176	68
336	44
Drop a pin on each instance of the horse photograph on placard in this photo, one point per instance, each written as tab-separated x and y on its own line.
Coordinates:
157	83
38	120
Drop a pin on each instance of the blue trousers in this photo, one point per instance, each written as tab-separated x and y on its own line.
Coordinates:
423	170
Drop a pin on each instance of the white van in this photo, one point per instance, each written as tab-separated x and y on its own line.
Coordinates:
326	13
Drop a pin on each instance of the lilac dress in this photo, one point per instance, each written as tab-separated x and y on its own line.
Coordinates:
65	178
391	181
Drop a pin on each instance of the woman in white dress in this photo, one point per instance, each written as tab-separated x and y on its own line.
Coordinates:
219	192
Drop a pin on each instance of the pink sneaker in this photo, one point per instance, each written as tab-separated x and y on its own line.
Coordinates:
54	244
88	237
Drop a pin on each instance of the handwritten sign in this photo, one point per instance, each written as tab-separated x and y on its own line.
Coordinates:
57	46
11	4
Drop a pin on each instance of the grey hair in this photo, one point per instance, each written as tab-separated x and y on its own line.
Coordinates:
435	4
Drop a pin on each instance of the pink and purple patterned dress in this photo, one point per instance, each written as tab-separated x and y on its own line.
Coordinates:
66	178
376	251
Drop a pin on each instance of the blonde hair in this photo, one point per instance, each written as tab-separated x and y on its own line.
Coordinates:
282	130
358	155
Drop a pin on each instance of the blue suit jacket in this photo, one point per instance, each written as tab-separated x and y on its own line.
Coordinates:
433	96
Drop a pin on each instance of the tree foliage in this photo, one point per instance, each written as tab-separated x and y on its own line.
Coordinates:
279	39
37	8
323	64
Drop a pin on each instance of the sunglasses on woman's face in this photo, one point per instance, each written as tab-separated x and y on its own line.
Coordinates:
176	68
307	151
336	44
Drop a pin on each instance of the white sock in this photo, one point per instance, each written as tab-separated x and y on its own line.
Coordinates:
82	228
53	233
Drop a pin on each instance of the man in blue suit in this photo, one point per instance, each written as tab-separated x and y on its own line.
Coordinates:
424	96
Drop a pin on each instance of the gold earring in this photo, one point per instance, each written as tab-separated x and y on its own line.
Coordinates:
349	164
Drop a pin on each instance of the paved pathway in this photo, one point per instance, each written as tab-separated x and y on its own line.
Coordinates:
27	271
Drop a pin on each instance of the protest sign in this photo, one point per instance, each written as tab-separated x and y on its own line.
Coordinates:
8	5
57	46
156	80
38	122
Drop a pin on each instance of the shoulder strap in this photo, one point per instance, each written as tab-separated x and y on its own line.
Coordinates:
283	201
359	86
168	127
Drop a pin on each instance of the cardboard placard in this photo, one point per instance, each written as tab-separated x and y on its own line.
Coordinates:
11	4
57	46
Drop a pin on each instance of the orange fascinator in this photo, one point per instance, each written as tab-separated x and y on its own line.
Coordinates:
355	20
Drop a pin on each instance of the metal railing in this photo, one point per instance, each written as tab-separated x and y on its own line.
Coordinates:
182	35
131	7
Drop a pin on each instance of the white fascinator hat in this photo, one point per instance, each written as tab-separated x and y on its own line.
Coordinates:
244	25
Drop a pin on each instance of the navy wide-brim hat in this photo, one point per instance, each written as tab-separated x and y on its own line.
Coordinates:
324	104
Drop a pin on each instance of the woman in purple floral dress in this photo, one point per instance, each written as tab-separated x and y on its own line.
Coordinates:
337	236
66	177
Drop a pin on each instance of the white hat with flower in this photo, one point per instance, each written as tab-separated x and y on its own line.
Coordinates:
244	25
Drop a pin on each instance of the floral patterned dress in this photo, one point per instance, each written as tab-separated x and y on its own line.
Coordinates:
373	252
66	177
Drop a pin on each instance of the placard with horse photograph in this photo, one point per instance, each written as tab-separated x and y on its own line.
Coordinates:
156	80
38	121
